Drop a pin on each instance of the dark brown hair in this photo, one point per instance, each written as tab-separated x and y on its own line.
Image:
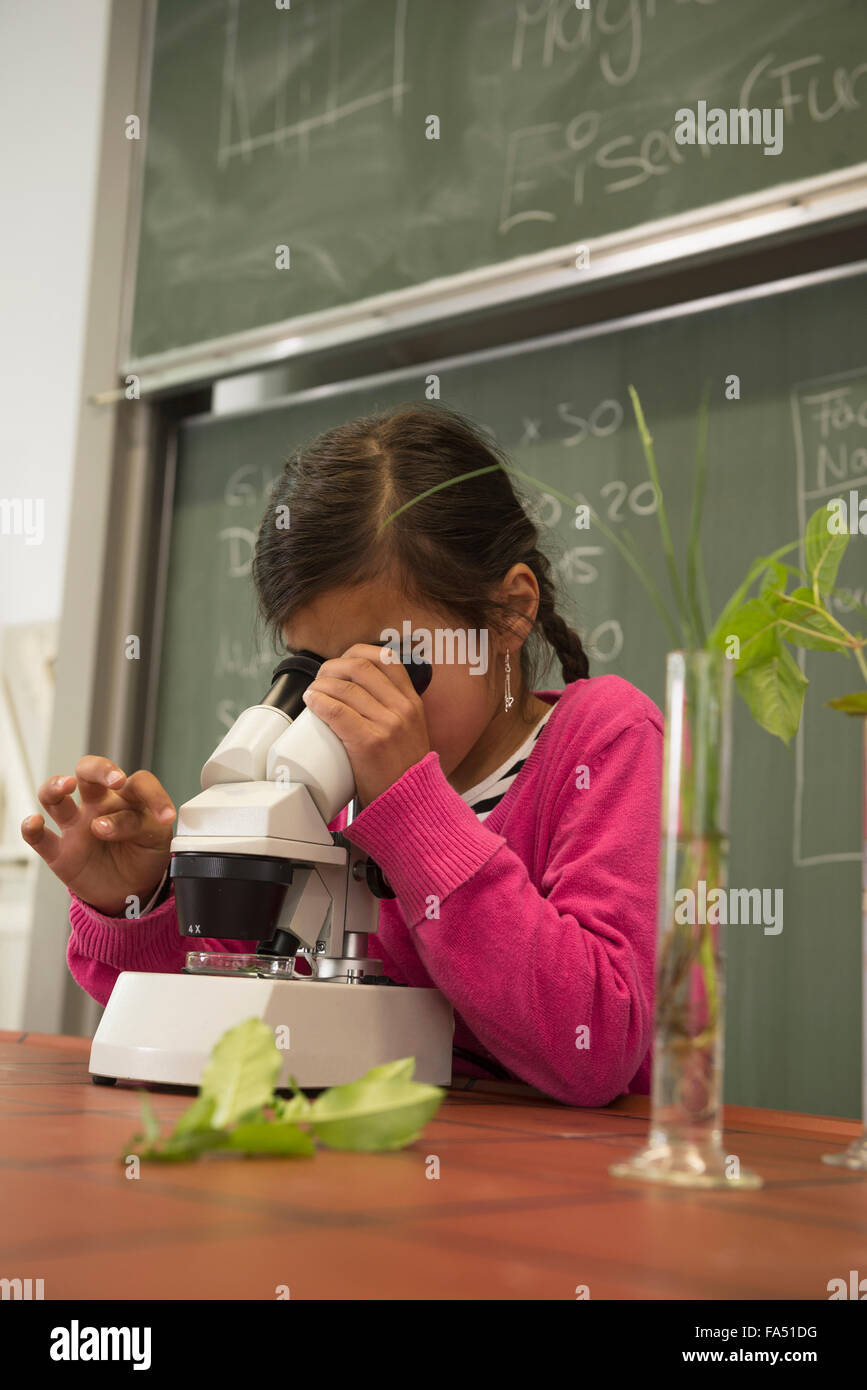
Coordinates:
375	497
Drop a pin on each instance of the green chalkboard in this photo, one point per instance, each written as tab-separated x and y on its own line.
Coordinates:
306	127
796	436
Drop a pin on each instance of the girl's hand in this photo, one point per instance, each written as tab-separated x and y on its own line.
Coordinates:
367	699
115	844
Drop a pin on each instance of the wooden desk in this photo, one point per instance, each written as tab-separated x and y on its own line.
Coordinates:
524	1207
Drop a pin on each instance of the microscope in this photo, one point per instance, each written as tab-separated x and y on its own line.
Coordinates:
253	859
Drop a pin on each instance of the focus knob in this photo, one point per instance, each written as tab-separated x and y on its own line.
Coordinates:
377	881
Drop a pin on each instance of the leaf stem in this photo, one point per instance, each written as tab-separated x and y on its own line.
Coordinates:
817	608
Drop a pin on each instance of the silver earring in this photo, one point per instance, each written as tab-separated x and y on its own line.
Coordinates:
509	699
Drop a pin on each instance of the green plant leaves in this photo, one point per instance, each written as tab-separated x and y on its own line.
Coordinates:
384	1110
774	692
823	551
757	568
242	1072
291	1109
199	1116
768	678
851	704
191	1136
237	1110
269	1137
806	624
754	626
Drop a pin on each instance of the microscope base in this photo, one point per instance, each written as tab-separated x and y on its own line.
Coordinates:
161	1028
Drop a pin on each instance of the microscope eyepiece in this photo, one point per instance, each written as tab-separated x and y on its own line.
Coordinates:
290	679
419	672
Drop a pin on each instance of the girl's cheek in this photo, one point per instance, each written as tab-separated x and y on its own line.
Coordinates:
453	726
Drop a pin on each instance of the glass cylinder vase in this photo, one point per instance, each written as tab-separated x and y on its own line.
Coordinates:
855	1156
685	1145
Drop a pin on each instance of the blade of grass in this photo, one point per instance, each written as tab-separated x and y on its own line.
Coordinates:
635	564
696	587
662	518
438	487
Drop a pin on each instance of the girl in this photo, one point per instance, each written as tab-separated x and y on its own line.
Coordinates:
518	827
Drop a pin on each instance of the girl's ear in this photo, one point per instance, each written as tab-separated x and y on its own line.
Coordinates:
520	590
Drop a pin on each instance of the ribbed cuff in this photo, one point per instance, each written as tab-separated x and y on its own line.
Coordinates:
136	943
424	836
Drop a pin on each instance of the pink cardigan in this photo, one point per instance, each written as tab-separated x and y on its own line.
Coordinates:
545	933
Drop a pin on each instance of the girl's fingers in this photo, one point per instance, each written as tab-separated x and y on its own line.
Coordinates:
347	692
387	681
97	776
128	825
349	726
37	835
146	793
55	796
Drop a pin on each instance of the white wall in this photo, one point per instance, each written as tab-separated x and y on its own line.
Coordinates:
52	57
52	81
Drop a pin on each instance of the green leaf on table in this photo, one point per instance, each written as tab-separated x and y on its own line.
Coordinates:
198	1116
190	1137
189	1144
823	550
401	1070
294	1109
774	692
384	1110
851	704
270	1137
806	625
241	1072
149	1120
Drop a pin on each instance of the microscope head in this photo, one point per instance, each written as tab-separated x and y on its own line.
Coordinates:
255	842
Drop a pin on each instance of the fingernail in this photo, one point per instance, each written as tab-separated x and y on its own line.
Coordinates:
167	813
103	824
26	821
114	777
58	782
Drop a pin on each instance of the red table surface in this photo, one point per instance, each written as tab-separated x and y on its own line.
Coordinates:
524	1207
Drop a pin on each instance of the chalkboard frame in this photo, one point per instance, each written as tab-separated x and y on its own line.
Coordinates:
804	207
